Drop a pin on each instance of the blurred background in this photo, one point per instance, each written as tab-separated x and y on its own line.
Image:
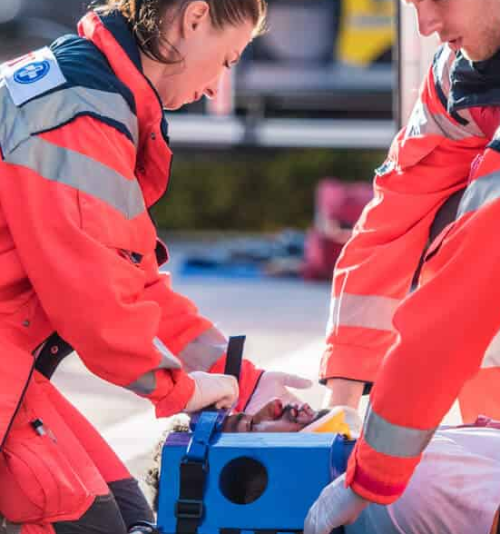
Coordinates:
311	99
267	180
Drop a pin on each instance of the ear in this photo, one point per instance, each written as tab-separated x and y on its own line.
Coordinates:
195	14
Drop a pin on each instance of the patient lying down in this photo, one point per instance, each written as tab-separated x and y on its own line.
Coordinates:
455	489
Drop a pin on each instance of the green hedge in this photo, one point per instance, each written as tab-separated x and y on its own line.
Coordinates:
253	190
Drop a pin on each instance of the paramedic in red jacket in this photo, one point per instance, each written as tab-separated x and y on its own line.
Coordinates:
442	340
84	155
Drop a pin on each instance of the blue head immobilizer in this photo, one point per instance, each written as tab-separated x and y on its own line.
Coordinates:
224	483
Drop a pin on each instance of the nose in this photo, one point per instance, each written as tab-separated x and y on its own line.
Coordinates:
428	19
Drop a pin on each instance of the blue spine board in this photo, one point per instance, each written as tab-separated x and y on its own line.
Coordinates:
298	466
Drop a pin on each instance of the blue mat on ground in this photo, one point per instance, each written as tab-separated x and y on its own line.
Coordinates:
195	268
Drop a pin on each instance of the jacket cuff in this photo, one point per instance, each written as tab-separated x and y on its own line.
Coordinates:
381	480
351	362
178	397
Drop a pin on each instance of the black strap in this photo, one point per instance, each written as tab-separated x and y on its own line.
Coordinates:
444	216
234	356
234	359
189	508
52	354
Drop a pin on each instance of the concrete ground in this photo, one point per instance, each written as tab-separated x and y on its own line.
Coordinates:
284	321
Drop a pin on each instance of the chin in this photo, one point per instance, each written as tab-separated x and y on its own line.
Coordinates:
478	55
472	55
172	107
172	104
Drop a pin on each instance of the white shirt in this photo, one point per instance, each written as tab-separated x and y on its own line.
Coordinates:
454	490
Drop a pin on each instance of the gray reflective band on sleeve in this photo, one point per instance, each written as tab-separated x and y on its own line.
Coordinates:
146	384
362	311
81	172
168	360
394	440
201	353
480	192
423	122
442	68
53	110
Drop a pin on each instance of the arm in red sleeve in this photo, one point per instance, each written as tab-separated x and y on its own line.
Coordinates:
445	328
77	217
194	339
428	161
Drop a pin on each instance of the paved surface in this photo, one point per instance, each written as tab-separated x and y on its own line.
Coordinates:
284	321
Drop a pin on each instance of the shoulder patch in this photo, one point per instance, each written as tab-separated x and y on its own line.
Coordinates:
32	75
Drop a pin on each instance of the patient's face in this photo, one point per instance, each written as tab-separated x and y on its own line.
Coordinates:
273	417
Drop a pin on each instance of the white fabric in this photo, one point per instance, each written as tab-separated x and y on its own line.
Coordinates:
211	388
455	489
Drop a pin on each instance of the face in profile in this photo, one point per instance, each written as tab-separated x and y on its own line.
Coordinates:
472	26
207	53
273	417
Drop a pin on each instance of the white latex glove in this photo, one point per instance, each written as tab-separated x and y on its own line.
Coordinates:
221	390
272	385
336	506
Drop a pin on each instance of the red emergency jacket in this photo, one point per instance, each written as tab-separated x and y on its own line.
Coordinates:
85	153
423	349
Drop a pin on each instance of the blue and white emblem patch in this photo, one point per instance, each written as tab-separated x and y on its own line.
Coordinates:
32	75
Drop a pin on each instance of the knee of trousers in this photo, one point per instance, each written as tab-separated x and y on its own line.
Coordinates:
46	475
103	517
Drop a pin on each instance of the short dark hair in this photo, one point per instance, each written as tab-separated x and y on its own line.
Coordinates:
145	16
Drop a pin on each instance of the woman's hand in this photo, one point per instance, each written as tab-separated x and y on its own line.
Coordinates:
209	388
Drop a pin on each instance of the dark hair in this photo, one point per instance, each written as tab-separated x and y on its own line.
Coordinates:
145	17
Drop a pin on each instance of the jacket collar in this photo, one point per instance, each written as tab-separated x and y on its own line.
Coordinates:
474	83
112	36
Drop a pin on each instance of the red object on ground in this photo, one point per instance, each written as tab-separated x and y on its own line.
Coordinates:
338	206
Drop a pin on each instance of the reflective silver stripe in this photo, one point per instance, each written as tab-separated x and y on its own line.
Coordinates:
423	122
53	110
85	174
362	311
394	440
146	383
168	359
201	353
442	67
472	127
479	192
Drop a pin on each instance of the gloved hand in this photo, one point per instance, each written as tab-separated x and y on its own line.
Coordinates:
272	385
221	390
336	506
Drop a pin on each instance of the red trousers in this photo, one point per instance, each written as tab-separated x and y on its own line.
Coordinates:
57	473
